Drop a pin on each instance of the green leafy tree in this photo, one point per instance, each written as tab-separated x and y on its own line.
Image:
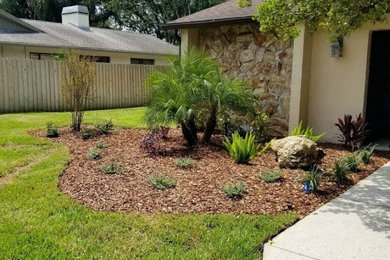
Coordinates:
148	16
338	17
194	85
50	10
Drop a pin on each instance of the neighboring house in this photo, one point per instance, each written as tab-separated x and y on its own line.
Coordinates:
305	80
39	40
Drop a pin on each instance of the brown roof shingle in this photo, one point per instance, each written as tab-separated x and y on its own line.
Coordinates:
225	12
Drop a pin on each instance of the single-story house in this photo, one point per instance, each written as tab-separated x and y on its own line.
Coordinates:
38	40
300	80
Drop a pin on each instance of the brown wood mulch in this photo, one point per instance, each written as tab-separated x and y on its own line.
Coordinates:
199	189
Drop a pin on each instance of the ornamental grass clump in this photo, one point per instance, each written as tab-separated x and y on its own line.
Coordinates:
111	168
353	163
271	176
185	162
162	182
87	133
52	130
366	153
104	127
243	150
236	190
101	145
341	170
94	155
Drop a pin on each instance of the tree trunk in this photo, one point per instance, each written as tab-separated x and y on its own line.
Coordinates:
77	118
191	141
192	128
210	127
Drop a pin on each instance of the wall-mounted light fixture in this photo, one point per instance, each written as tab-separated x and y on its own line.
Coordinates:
337	48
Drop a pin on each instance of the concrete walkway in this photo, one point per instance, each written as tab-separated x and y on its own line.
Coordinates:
355	225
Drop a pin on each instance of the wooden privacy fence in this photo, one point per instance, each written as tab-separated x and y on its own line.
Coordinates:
30	85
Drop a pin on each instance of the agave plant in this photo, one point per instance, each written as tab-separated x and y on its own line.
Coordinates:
352	131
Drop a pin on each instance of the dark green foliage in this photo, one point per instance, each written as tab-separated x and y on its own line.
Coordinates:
366	153
52	130
162	182
341	170
148	16
259	126
111	168
313	178
104	127
185	162
87	133
271	176
100	144
194	85
94	155
235	191
308	133
337	17
352	163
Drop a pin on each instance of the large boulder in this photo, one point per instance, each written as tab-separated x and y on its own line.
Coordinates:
296	152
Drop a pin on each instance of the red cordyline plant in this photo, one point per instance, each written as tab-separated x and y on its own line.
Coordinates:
352	131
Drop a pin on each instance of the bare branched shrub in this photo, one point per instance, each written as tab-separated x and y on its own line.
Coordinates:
78	82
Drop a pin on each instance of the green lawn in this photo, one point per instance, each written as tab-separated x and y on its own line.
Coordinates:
38	222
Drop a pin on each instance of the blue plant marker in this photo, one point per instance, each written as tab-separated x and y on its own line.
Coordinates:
306	187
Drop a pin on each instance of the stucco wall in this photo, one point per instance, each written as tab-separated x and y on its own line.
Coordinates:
261	60
338	85
23	52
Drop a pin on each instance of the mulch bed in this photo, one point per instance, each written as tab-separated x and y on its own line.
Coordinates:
199	189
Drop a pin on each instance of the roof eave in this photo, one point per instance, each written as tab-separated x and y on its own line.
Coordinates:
19	21
202	23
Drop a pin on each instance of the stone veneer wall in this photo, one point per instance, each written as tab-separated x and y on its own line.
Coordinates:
263	61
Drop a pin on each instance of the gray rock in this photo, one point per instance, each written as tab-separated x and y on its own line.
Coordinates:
296	152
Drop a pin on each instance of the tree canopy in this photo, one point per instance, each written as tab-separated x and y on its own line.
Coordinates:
339	18
50	10
148	16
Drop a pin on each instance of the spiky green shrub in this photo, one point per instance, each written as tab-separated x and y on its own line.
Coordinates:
104	127
87	133
242	150
271	176
111	168
52	130
235	190
185	162
162	182
307	132
94	155
353	163
366	153
341	170
100	144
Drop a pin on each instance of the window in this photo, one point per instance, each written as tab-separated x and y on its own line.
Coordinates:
142	61
41	56
101	59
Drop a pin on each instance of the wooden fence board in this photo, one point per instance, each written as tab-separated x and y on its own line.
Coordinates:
30	85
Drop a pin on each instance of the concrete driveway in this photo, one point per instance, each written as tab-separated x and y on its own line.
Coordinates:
355	225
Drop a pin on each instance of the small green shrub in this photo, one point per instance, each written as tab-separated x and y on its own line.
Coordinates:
162	182
308	133
87	133
270	177
52	130
235	191
312	179
259	126
341	170
242	150
185	162
100	144
111	168
366	153
104	127
352	163
94	155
